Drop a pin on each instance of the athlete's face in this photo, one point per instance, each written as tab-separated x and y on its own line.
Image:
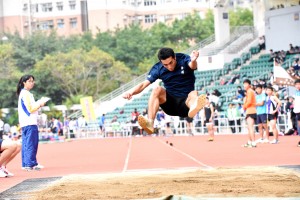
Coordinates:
28	85
269	92
258	90
169	63
247	86
297	86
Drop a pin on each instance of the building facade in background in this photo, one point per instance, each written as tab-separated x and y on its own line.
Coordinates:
77	16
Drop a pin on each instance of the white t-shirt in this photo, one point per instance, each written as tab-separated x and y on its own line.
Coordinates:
27	109
297	102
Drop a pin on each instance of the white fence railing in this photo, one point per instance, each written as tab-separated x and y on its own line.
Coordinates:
222	126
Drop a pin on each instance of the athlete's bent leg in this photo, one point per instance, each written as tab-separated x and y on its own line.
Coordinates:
7	148
195	103
13	155
158	96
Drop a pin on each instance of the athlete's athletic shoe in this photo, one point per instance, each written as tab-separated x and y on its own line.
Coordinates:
197	105
260	140
266	141
35	168
210	140
274	141
40	166
9	174
299	144
3	174
248	145
145	124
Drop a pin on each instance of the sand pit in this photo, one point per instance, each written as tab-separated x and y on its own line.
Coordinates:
222	182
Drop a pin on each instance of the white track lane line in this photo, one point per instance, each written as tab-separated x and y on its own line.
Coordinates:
186	155
127	156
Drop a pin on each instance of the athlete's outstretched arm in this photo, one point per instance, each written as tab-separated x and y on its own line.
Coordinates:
136	90
194	56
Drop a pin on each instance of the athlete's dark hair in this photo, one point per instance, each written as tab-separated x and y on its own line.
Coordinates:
247	81
165	53
259	86
23	79
270	87
297	81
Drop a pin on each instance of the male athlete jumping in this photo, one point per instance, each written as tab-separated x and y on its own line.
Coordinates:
178	97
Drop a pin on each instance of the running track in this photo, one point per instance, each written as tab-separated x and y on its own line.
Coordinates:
120	155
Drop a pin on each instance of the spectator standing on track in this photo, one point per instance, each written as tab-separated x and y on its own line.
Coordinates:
81	125
101	122
189	125
232	115
297	105
28	112
66	125
261	115
208	116
250	108
72	128
273	106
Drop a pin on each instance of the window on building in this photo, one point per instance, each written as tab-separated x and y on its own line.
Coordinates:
149	3
168	17
72	5
60	6
182	15
46	25
60	23
47	7
25	7
35	8
150	19
73	22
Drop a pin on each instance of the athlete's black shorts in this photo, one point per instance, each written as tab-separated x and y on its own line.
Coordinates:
168	125
261	119
253	116
189	120
298	116
175	106
272	117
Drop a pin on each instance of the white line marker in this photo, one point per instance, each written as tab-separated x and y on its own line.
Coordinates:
187	155
127	156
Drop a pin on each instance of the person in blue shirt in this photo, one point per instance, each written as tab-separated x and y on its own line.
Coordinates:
178	97
261	119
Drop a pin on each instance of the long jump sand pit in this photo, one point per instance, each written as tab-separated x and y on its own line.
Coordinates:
221	182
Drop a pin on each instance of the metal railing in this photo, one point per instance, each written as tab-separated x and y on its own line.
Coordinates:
221	127
236	33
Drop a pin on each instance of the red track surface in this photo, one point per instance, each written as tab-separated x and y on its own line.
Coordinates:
119	155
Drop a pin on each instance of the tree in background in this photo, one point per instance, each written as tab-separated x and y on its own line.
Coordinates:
80	72
241	17
9	76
